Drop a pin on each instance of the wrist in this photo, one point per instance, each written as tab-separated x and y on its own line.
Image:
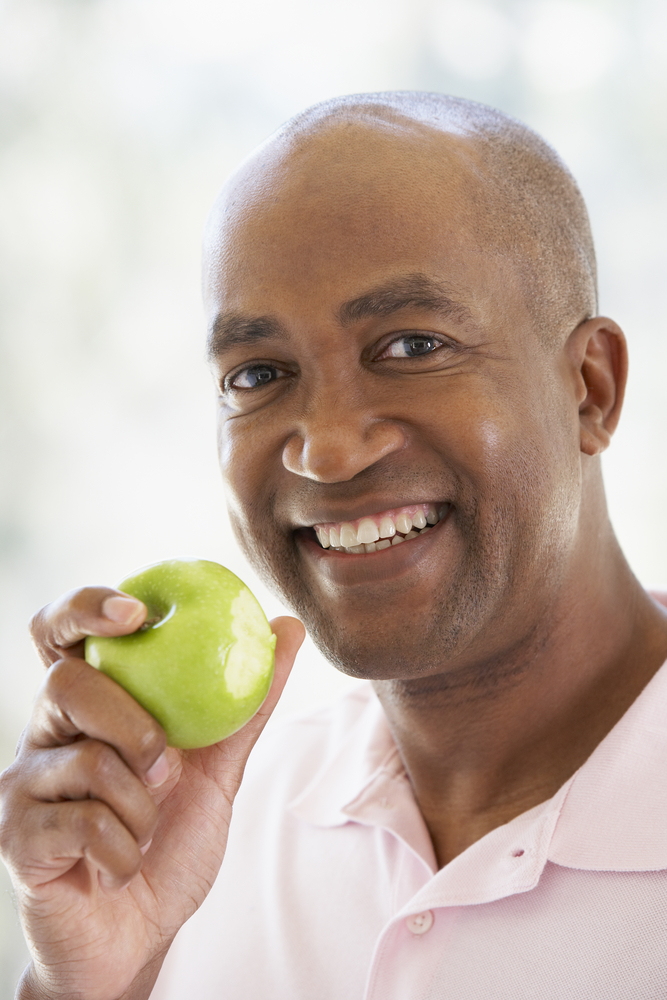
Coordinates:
29	987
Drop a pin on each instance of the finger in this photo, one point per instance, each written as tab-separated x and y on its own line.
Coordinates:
64	624
76	699
290	634
89	769
51	838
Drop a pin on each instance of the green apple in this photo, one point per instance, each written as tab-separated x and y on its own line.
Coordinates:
202	663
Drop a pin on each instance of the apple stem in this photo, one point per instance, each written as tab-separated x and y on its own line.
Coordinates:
149	623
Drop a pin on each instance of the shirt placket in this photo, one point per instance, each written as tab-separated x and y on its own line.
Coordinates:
408	954
411	950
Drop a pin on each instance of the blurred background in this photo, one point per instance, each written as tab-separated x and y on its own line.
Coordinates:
119	119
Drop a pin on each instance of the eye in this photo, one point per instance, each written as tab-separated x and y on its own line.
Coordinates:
412	345
253	377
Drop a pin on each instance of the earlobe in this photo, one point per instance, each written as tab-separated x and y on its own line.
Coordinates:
598	350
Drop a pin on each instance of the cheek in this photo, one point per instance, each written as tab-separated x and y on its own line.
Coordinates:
250	452
480	434
242	451
516	452
491	441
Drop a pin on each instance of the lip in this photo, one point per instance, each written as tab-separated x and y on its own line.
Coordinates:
350	569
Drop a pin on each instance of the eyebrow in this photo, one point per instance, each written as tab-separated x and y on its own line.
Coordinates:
413	291
233	330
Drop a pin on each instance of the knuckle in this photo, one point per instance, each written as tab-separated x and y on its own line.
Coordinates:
7	811
59	679
10	784
151	741
15	817
95	820
99	760
70	613
5	781
40	631
37	624
21	743
50	723
59	624
77	603
53	682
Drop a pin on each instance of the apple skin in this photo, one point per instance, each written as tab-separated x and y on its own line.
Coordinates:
203	663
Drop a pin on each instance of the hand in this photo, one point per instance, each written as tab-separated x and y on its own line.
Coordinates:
112	839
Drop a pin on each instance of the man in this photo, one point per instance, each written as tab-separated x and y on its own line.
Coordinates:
415	391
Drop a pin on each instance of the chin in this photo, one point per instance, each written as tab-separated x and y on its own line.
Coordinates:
434	641
437	630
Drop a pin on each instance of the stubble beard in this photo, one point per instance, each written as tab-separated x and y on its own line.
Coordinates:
430	650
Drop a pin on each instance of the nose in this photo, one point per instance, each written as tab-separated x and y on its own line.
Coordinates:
334	443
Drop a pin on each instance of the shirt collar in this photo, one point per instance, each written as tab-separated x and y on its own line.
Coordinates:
362	749
614	816
610	816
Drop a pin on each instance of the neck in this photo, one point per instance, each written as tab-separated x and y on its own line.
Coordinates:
496	737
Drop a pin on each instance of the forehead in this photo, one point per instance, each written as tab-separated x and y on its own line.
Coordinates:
347	209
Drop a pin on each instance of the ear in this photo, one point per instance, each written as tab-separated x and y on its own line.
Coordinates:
598	353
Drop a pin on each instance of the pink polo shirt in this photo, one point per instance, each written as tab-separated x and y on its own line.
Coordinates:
330	889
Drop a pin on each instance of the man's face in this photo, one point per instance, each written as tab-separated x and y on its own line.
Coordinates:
377	362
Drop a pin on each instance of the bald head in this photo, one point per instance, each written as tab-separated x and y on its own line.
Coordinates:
514	196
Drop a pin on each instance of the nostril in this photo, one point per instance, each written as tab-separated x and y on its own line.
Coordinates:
335	452
320	458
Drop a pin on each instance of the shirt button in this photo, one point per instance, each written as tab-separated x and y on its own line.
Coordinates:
419	923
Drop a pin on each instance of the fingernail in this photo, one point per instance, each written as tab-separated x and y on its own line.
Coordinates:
158	772
120	609
146	846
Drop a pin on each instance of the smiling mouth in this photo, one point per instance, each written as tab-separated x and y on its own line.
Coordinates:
380	531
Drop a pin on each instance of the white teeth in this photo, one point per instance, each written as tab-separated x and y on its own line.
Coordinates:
323	536
368	537
387	528
367	531
419	519
403	523
348	536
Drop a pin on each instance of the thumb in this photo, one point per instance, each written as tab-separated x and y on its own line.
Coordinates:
290	634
